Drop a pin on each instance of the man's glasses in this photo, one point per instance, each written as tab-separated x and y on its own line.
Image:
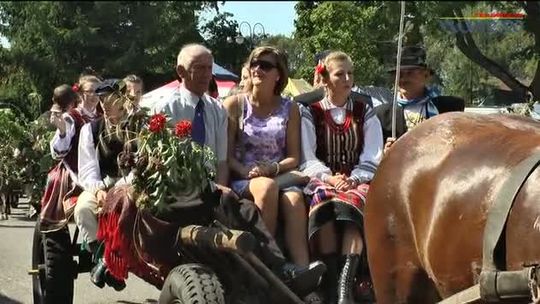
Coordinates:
263	65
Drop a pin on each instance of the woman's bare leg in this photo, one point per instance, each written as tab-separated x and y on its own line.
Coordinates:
295	216
265	193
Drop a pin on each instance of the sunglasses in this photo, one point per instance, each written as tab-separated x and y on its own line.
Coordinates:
263	65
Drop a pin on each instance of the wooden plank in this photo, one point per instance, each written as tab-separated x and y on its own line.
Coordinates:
467	296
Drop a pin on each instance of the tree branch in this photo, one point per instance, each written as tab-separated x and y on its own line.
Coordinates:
466	44
532	25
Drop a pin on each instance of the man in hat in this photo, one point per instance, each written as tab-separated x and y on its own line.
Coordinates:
99	147
417	102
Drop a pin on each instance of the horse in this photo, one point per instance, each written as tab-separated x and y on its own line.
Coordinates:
428	203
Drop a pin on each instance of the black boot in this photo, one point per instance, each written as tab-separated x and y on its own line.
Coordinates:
346	279
329	283
303	280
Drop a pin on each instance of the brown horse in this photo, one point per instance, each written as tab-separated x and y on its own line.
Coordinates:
428	202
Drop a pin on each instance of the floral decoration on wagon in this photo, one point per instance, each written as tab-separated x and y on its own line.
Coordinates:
171	169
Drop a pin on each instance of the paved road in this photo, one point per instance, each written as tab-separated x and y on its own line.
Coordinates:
15	260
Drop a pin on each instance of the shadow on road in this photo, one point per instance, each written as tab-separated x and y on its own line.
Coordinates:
5	300
15	226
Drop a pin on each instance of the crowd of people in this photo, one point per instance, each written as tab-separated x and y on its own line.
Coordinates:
300	169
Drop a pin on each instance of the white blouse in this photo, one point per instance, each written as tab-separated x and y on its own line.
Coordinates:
369	157
89	170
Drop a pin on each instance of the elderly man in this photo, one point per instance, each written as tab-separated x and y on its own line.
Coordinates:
416	101
209	127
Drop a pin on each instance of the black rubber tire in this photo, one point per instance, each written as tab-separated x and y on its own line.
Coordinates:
192	284
55	281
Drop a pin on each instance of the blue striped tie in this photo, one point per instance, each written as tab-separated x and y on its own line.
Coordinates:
198	132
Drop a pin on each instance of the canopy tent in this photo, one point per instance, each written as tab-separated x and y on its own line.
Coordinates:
220	73
296	87
225	81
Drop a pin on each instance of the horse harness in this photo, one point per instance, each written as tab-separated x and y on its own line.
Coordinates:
496	283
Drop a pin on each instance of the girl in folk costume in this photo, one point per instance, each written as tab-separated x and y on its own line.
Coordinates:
342	146
264	136
61	189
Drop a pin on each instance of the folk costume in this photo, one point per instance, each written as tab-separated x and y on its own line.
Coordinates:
412	112
346	140
62	187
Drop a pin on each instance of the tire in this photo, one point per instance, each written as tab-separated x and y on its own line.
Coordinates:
192	284
52	255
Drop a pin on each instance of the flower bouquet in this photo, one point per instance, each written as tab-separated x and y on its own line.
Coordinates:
171	170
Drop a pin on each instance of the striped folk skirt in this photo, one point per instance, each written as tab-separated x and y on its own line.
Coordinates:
328	204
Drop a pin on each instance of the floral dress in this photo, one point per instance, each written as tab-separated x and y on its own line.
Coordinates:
261	139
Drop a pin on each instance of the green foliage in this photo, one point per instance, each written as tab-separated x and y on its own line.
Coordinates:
291	47
51	42
24	154
230	55
345	26
171	168
368	32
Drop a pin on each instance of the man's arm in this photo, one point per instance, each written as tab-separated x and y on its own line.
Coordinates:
60	144
222	177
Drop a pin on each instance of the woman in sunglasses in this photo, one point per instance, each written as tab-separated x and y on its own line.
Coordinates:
342	146
264	141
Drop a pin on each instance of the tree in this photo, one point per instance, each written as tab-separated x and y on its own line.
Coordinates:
356	28
292	49
51	42
510	57
228	54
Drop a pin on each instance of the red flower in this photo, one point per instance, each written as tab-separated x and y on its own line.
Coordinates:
75	87
157	122
320	69
183	129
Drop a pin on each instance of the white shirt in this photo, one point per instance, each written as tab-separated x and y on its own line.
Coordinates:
89	170
180	105
60	146
369	157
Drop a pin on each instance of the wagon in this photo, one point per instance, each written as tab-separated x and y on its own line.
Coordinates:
218	266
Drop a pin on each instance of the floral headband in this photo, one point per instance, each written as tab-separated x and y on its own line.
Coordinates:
75	87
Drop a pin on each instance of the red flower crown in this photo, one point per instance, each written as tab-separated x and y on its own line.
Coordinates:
75	87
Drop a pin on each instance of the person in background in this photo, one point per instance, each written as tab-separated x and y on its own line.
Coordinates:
417	102
134	90
213	88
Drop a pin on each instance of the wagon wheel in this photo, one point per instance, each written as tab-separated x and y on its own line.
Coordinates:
192	284
53	267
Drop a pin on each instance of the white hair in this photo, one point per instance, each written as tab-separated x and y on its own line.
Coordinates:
190	51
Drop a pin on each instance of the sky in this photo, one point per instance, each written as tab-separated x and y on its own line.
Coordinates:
276	17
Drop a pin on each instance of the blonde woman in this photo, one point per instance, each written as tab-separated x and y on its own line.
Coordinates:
342	146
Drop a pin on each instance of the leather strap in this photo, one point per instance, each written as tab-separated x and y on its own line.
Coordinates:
498	213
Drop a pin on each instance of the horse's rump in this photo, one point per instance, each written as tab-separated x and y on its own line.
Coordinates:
428	202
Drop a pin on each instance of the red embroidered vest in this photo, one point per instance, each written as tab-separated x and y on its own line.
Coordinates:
339	146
